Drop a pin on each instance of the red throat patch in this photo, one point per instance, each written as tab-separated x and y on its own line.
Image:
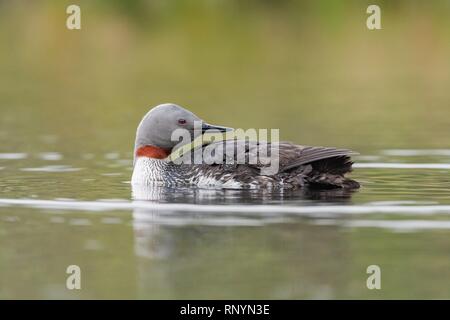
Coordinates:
152	152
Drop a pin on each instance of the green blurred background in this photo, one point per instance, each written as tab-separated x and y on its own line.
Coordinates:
309	68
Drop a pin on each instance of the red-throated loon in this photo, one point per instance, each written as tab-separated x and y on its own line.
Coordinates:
297	166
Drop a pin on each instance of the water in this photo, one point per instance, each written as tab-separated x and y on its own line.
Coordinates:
58	209
70	102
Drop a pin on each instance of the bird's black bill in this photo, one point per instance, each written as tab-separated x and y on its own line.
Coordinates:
207	127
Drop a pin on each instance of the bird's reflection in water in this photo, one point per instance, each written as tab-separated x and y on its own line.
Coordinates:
147	222
244	196
193	243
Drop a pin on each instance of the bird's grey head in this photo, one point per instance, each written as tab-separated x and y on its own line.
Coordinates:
158	125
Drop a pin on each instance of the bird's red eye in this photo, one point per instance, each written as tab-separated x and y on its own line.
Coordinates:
181	121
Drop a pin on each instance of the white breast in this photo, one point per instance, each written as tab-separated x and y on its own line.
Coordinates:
147	171
212	182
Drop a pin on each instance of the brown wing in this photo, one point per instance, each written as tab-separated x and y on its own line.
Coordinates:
292	156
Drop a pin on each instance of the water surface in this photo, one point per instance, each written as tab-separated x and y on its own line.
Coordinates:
57	210
70	101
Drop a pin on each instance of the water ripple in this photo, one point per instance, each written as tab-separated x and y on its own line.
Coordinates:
416	152
53	168
394	225
392	165
13	156
309	211
50	156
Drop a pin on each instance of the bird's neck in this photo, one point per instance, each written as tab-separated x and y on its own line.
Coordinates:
152	152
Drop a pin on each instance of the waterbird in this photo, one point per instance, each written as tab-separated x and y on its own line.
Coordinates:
297	166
